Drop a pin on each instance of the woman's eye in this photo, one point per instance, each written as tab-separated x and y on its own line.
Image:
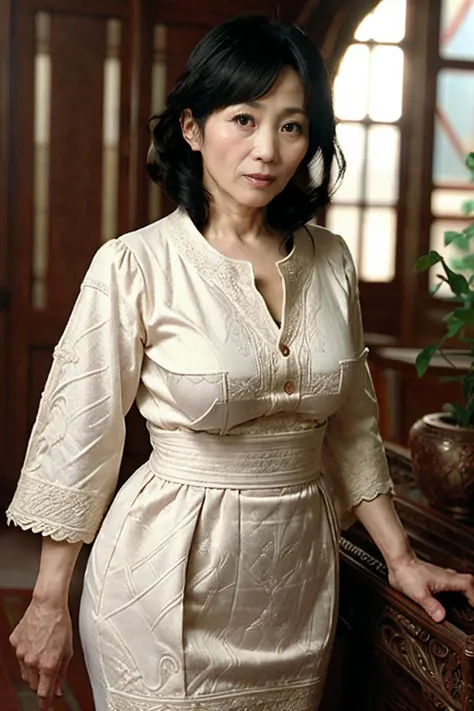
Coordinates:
293	127
243	120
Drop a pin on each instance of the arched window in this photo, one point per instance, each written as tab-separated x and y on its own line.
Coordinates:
454	123
404	100
368	101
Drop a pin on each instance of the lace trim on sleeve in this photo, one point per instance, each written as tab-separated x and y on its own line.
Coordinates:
64	514
376	488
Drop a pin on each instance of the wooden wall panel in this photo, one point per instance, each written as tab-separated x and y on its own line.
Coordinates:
181	41
5	31
104	8
78	50
212	12
78	46
21	189
39	365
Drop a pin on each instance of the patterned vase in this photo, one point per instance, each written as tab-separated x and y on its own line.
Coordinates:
443	464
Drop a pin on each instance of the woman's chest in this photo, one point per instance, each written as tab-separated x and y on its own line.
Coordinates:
216	353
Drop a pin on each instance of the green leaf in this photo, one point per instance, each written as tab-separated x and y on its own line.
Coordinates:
470	342
470	161
465	315
427	261
469	231
462	243
466	262
455	327
457	412
449	407
457	264
467	207
447	317
450	236
457	282
451	378
434	289
423	359
468	385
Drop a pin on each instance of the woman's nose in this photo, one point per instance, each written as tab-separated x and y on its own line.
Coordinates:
266	146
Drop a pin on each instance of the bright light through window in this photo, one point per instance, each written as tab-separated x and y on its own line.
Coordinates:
368	101
386	84
351	87
385	24
370	83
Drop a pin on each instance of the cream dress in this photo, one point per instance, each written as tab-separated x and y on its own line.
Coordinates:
212	583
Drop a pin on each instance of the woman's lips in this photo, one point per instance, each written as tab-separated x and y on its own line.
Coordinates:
258	180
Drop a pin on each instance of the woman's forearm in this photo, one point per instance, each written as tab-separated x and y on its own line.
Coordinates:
381	521
58	559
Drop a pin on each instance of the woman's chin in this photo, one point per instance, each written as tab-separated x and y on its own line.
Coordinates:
255	199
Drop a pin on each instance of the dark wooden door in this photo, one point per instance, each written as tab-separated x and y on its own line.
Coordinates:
69	177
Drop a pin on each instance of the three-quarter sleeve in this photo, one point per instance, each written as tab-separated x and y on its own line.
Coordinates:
354	460
75	449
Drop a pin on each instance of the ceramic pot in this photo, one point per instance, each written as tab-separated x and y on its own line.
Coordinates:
443	464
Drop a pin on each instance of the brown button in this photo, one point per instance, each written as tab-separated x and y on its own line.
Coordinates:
289	387
285	351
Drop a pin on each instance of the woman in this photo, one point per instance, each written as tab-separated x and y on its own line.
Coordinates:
212	583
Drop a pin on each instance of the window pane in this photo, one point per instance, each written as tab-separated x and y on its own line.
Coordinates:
457	30
345	221
438	228
378	245
352	138
454	129
386	83
111	131
42	138
352	83
449	202
158	99
385	24
382	164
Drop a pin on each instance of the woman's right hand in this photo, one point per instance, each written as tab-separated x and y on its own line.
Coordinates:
43	644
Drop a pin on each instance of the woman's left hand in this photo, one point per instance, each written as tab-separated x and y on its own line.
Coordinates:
420	581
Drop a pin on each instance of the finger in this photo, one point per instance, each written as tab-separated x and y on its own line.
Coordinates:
433	608
47	679
45	705
467	582
23	670
33	678
61	676
462	583
28	669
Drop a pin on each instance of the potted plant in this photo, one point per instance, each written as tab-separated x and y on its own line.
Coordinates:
442	444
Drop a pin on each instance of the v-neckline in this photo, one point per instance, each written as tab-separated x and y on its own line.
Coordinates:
236	277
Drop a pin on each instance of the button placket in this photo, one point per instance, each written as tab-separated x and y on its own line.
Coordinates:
286	371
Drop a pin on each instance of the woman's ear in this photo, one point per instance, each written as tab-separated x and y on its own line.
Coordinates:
190	129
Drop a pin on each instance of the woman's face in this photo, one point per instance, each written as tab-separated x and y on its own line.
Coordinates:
251	151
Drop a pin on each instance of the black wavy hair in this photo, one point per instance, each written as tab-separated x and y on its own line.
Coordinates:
238	62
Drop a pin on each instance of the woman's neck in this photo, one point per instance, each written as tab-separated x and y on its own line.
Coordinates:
240	224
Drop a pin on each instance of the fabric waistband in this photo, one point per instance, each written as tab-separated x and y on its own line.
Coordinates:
262	461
